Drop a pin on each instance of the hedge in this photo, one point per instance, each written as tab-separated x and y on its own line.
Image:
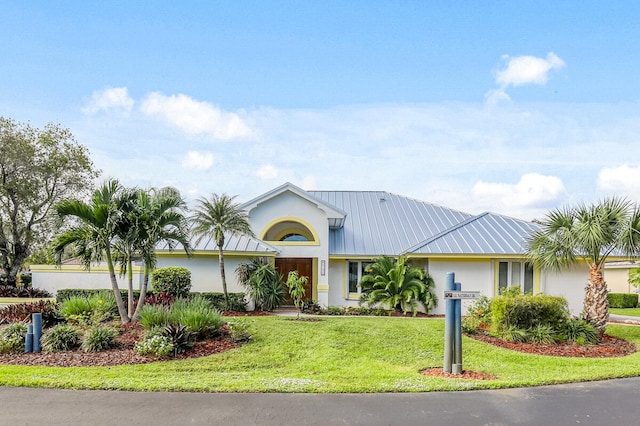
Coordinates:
622	300
525	312
236	300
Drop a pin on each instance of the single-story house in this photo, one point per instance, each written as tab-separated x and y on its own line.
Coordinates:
330	236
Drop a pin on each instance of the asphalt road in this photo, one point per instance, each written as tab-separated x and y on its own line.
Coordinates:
612	402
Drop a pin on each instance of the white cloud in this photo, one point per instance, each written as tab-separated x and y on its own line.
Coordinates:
623	180
267	172
197	160
528	70
195	117
533	190
109	99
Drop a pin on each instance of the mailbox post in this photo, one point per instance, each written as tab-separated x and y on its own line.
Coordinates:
453	296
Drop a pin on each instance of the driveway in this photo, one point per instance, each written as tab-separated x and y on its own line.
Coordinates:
612	402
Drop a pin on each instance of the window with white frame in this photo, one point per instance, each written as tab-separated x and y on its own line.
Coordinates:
515	274
355	272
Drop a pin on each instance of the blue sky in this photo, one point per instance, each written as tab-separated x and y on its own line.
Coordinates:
512	107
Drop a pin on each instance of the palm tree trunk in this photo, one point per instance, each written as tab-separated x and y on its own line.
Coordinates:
124	318
596	305
143	293
130	307
222	275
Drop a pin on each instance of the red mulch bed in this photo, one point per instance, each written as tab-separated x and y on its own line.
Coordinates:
608	347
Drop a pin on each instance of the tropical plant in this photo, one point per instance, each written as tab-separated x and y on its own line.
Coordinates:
263	283
61	337
99	338
295	283
398	285
119	225
589	234
97	225
215	217
154	316
198	315
12	337
154	344
180	338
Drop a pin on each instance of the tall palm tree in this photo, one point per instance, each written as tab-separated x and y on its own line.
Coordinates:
590	234
160	218
398	285
92	235
215	217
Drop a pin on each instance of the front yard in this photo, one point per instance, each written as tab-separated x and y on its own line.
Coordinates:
336	355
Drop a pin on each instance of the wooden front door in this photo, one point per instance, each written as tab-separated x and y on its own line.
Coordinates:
304	266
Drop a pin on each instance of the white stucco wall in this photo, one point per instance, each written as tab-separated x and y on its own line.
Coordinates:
568	284
52	279
472	275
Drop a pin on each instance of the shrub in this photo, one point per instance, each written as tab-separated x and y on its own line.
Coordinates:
579	331
179	336
542	334
163	299
100	338
311	307
239	329
198	315
236	300
12	337
173	280
333	310
61	337
295	283
29	292
263	283
95	308
622	300
514	334
76	309
156	345
526	312
22	312
479	313
154	316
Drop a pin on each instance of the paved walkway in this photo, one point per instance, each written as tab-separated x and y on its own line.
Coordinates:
612	402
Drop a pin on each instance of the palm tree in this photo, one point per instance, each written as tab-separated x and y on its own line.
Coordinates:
588	234
97	225
398	285
159	219
215	217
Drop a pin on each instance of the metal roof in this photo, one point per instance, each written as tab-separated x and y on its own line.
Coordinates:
232	243
379	222
487	233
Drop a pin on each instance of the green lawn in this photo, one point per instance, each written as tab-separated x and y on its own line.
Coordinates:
336	355
634	312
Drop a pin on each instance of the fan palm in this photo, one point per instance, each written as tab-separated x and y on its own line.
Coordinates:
590	234
214	218
396	284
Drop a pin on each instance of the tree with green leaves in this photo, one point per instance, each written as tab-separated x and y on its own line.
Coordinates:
397	285
295	283
215	217
263	283
154	216
588	234
38	168
96	227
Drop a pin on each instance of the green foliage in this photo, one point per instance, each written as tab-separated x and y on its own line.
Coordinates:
622	300
61	337
333	310
172	280
39	168
22	312
512	291
236	301
100	338
12	337
295	283
179	336
398	285
542	334
634	277
198	315
311	307
155	345
478	315
67	293
95	308
239	329
154	316
263	283
514	334
579	331
526	312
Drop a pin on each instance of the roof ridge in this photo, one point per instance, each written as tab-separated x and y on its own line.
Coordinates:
445	232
